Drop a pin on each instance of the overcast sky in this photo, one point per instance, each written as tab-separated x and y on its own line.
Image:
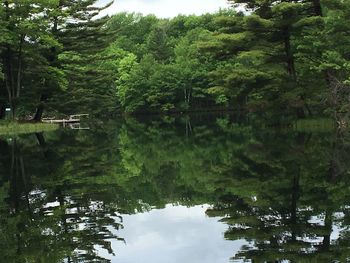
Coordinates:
167	8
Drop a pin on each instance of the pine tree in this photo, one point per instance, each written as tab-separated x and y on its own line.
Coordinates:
84	36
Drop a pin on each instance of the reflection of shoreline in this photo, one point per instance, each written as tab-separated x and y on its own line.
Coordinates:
258	182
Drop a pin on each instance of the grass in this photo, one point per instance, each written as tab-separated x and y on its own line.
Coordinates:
16	128
314	125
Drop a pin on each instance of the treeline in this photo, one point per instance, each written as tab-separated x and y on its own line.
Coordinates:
277	56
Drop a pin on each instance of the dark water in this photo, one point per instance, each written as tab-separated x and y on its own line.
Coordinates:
176	190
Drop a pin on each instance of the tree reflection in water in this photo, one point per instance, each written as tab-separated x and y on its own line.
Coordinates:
63	194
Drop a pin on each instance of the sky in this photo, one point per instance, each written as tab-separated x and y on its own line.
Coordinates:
167	8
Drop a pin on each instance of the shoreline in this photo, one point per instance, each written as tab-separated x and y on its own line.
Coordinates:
18	128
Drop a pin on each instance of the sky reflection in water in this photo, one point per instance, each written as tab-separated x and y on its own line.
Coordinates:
173	234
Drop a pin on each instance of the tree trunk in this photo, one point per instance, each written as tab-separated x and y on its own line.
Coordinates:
294	203
301	113
39	113
41	139
289	53
2	112
13	108
40	109
328	223
317	7
8	78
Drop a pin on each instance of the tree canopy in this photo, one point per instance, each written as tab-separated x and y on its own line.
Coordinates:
63	56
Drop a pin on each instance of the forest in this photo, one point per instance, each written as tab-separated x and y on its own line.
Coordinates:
275	57
243	113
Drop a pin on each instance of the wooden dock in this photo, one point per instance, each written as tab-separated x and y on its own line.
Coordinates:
71	119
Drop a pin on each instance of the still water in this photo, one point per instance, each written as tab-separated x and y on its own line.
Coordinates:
208	189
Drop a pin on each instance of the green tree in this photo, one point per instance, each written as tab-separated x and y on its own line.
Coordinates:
25	41
322	51
85	38
158	43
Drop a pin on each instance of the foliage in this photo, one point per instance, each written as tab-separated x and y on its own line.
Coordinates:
46	49
279	56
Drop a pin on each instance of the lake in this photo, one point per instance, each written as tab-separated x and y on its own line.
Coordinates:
192	189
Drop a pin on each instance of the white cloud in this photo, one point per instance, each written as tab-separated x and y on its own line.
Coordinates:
167	8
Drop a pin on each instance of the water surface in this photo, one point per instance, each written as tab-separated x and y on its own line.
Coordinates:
204	189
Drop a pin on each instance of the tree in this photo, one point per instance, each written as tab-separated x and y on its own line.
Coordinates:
190	66
24	43
322	51
85	38
157	43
